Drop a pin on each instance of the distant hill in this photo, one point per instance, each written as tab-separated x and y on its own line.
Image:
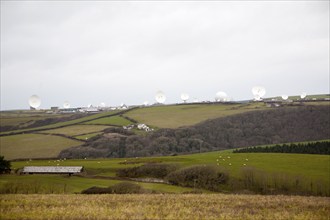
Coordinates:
279	125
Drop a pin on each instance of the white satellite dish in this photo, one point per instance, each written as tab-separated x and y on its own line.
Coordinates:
258	92
34	101
257	98
303	95
221	96
184	97
146	103
160	97
285	97
66	104
102	104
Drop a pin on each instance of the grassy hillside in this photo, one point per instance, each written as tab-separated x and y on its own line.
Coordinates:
307	169
185	115
34	146
305	165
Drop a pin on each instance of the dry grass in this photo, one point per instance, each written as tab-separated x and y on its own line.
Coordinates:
214	206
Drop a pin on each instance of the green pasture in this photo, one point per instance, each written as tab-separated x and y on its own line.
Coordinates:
185	115
75	130
113	120
304	165
34	146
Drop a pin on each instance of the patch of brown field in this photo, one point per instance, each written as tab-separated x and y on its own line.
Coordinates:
113	135
214	206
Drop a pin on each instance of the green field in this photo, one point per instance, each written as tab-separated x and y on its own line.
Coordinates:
310	168
34	146
306	165
185	115
75	130
113	120
214	206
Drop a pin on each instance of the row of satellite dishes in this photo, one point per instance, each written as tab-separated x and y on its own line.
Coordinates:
35	102
257	91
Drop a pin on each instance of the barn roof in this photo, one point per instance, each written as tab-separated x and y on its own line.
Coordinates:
52	169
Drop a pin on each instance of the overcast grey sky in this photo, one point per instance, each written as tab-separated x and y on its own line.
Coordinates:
115	52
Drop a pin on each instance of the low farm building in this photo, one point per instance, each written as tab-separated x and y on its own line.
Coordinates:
52	169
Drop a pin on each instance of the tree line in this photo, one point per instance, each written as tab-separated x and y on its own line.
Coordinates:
275	126
300	148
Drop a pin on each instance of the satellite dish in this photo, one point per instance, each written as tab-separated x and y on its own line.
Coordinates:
285	97
146	103
303	95
258	92
257	98
221	97
102	104
34	101
184	97
66	104
160	97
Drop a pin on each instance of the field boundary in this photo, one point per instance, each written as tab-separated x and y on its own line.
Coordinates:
62	126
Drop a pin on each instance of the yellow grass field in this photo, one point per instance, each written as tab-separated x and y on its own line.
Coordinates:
159	206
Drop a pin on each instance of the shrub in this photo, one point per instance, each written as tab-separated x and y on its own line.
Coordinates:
97	190
4	165
126	188
119	188
278	183
156	170
207	177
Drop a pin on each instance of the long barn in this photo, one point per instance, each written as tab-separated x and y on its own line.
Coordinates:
52	169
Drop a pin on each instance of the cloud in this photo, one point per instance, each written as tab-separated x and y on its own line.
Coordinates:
113	52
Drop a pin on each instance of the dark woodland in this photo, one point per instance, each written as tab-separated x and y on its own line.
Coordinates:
301	148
